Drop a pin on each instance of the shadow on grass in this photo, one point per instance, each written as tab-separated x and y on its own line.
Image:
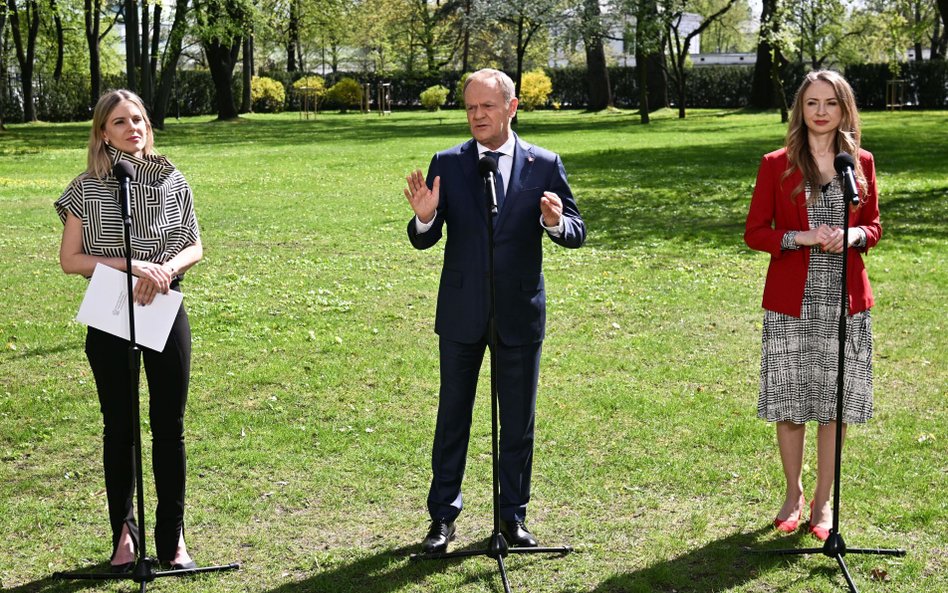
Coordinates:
694	194
677	191
718	566
390	570
916	214
51	585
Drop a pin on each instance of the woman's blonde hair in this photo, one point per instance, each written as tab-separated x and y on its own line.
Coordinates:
848	135
99	162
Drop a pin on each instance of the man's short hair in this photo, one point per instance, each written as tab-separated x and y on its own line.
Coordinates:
503	81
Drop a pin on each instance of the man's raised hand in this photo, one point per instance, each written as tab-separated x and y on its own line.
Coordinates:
423	201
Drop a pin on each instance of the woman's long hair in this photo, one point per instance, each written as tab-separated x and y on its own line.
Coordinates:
848	135
99	162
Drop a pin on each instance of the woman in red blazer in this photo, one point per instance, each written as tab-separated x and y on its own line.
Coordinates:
796	215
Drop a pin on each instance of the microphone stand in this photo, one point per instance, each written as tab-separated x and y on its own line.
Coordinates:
834	546
497	546
144	571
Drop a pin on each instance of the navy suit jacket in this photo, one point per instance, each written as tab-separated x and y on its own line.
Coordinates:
463	296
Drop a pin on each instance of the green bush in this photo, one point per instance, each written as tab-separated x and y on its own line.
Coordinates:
459	90
345	94
267	95
717	86
193	93
314	85
64	100
312	88
433	97
535	89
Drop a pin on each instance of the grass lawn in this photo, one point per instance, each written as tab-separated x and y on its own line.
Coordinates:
315	376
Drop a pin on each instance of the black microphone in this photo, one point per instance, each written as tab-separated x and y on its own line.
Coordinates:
487	166
846	166
124	172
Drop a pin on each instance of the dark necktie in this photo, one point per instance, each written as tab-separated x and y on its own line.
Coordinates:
498	178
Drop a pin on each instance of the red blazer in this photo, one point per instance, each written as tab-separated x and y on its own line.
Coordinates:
773	212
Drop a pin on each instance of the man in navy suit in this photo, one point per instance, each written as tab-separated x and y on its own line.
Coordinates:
534	199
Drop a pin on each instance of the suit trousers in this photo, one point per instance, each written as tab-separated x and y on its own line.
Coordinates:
518	369
168	373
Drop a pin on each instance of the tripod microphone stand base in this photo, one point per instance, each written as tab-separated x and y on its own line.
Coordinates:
498	549
835	547
143	573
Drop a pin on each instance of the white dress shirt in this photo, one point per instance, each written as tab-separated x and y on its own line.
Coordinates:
505	168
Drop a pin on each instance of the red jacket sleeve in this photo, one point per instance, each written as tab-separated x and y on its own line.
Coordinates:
760	230
867	215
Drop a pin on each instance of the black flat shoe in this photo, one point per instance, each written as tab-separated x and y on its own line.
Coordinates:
439	534
517	534
121	568
189	565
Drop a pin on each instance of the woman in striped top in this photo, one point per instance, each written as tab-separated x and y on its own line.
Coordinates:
165	243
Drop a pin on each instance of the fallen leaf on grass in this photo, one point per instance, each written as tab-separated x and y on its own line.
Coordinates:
879	574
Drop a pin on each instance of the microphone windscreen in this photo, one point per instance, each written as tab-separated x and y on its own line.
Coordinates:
123	170
487	164
843	161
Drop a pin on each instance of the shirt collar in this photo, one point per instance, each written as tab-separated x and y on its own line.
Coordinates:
506	149
150	161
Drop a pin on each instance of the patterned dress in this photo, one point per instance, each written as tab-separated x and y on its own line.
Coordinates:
799	359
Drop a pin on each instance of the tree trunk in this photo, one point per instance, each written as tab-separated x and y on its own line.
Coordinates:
466	46
657	81
221	60
131	45
763	93
93	19
641	74
943	46
3	65
246	100
290	57
144	61
597	74
26	56
650	58
775	63
293	36
681	92
60	42
169	63
155	38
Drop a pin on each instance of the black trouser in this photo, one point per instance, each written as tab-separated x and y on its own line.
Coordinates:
167	373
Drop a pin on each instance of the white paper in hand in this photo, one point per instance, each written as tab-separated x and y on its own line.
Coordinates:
105	307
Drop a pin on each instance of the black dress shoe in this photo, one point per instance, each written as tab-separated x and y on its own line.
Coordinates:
189	565
439	534
517	535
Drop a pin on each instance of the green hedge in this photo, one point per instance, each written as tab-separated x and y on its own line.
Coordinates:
925	87
925	84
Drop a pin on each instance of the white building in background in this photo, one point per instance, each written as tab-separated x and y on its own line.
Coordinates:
619	42
729	59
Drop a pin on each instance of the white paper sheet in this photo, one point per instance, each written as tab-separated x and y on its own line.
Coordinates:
105	307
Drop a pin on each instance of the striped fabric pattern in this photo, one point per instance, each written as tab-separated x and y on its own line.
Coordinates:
163	217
